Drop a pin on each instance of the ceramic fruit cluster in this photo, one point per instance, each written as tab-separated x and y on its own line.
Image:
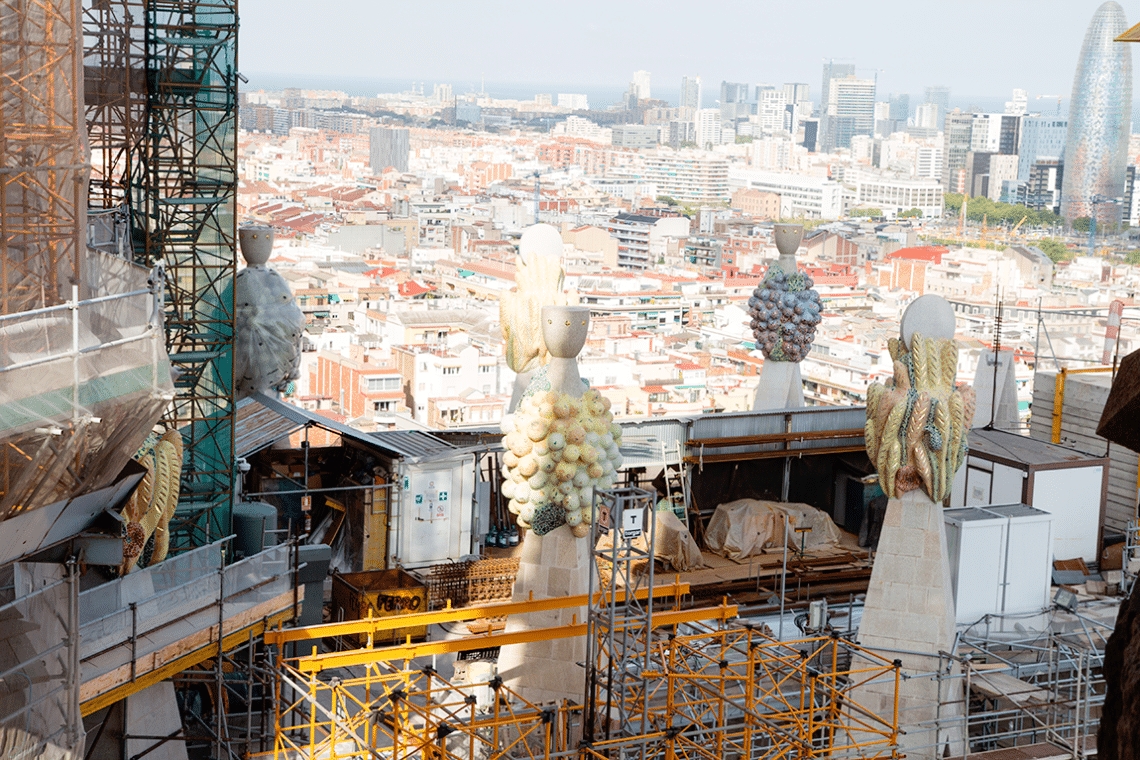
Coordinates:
559	449
785	312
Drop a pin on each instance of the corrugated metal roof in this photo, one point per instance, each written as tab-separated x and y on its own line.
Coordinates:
303	417
257	427
412	443
654	441
1014	448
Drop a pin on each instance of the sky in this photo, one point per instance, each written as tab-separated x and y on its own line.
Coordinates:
976	47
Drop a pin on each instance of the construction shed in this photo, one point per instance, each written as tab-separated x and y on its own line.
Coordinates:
1067	406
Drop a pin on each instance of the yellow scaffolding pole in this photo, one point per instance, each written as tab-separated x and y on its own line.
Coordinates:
1059	395
371	626
409	651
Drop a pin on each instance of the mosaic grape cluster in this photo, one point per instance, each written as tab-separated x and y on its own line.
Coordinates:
785	311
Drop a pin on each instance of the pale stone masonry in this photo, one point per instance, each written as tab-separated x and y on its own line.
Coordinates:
910	608
554	565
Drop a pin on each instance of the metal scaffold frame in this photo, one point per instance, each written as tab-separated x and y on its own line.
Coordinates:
115	96
43	169
712	691
162	77
617	657
719	692
1039	687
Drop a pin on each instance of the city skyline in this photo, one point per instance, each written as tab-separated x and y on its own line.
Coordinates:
529	51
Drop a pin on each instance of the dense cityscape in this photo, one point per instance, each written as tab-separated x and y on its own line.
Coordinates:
398	216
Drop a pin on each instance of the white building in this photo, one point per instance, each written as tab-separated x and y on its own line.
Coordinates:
706	127
640	85
1019	105
439	373
894	195
688	176
928	163
771	110
576	126
1003	169
773	152
926	116
800	195
986	134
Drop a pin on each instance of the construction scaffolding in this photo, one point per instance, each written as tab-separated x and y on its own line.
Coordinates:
1030	682
42	153
162	102
712	691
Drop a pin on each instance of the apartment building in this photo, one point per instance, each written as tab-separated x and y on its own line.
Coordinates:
800	195
688	177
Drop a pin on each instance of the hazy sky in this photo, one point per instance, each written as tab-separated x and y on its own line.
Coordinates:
977	47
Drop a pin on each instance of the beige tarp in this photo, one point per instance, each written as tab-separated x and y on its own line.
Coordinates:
672	544
675	545
748	526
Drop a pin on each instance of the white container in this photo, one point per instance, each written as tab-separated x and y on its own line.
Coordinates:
1004	468
1001	560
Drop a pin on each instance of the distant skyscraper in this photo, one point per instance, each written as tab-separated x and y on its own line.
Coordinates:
388	148
771	109
796	92
734	103
1041	137
850	111
797	104
707	128
939	96
442	93
832	70
690	92
957	131
900	107
926	116
734	92
1099	113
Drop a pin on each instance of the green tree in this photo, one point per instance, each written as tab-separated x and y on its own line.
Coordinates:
952	202
1133	258
1081	223
1054	249
740	139
911	214
871	212
668	201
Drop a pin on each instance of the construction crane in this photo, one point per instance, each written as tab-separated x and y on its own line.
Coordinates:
1018	226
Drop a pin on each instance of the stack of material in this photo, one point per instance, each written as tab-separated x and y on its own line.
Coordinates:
746	527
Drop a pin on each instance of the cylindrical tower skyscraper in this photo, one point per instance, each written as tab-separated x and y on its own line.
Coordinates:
1096	148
